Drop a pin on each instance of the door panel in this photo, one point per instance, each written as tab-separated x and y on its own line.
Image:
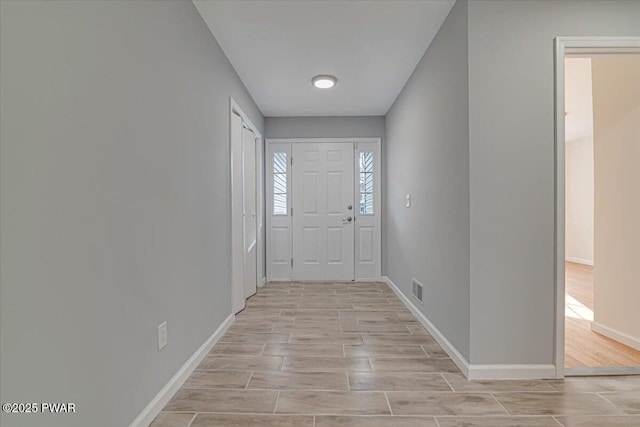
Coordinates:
249	212
323	189
278	182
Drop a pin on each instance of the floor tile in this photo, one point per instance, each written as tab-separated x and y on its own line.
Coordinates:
397	381
247	363
169	419
388	339
243	420
311	314
396	364
434	351
326	364
461	384
217	379
241	401
349	353
254	338
497	422
363	315
629	402
335	350
251	327
409	324
419	403
376	328
332	402
299	380
239	348
374	421
326	339
384	350
307	329
595	384
556	404
611	421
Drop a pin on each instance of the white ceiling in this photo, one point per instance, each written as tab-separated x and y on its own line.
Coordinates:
578	99
372	47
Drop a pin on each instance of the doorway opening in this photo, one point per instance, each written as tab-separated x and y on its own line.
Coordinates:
597	206
323	209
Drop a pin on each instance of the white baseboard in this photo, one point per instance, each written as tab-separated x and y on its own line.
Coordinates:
453	352
616	335
262	282
579	260
511	372
474	371
154	407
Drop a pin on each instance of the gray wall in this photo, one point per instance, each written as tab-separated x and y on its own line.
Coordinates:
427	138
324	127
114	201
512	166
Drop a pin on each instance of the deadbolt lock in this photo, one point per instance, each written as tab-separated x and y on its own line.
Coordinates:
349	207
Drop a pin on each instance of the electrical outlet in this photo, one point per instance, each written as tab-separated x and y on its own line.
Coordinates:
162	335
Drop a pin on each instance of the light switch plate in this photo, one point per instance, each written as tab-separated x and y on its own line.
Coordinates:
408	196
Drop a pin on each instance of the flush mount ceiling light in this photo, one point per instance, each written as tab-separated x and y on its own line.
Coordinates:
324	81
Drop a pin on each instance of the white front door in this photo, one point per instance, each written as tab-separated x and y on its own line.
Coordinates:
249	212
323	211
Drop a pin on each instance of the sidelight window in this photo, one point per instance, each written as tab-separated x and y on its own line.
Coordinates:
366	161
280	183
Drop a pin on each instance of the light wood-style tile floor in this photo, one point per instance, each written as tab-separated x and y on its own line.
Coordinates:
350	354
583	347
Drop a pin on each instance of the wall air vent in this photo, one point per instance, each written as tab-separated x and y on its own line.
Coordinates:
416	290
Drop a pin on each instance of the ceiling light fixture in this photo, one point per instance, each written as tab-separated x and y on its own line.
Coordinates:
324	81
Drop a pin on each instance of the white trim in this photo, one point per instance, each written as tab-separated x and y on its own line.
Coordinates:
511	372
451	350
154	407
328	140
235	108
262	282
580	260
378	196
562	46
471	371
616	335
237	250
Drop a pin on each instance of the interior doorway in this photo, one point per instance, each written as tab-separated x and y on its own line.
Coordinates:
598	206
323	210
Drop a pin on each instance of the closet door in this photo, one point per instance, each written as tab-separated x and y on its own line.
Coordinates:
249	214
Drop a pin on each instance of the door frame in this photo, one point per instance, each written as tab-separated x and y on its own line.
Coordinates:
377	196
562	47
236	203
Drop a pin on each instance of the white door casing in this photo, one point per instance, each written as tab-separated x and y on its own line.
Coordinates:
368	251
246	237
249	214
323	211
237	257
282	254
278	213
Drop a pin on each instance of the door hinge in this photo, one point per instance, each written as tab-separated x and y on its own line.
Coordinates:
291	262
292	160
291	211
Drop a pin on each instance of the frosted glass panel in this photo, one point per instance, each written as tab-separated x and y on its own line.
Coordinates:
366	183
280	183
